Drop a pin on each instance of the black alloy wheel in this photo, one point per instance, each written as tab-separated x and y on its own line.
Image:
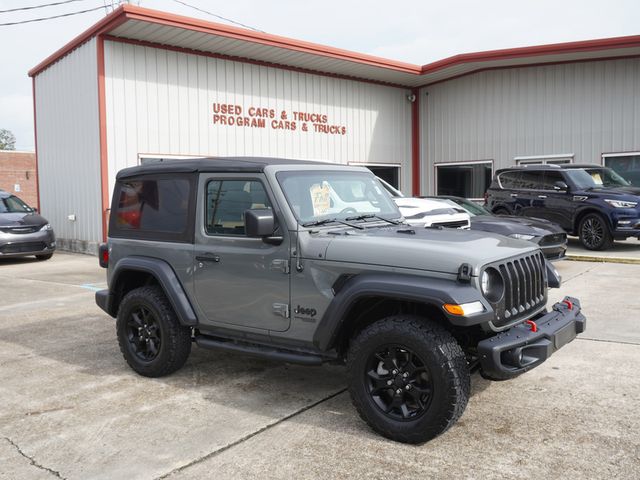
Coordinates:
151	338
594	233
408	377
399	382
144	334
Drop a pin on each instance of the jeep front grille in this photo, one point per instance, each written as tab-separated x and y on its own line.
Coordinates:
525	287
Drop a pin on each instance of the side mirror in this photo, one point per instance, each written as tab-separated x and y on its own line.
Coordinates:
560	187
259	222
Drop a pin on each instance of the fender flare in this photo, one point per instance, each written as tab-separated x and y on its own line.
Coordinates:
167	279
431	291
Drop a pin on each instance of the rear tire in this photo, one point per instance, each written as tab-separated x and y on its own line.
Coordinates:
150	336
594	232
429	377
46	256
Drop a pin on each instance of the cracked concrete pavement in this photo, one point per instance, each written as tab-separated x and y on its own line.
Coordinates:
71	408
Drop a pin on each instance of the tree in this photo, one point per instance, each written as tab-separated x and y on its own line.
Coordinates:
7	140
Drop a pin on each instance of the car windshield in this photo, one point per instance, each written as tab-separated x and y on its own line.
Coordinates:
586	178
13	204
471	208
328	195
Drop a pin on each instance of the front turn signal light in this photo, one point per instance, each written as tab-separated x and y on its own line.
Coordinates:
464	309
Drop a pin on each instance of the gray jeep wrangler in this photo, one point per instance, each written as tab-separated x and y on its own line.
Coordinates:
309	262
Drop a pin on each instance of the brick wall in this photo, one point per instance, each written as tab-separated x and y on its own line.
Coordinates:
19	169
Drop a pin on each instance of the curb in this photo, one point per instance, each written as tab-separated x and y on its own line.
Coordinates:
593	258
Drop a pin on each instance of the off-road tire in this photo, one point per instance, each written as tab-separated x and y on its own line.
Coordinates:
440	353
175	345
45	256
592	221
501	211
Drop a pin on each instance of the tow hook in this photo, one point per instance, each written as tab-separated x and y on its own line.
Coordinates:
532	324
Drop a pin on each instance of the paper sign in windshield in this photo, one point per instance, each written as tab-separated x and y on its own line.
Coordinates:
597	178
320	198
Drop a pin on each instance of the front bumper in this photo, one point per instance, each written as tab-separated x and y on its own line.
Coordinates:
519	349
18	245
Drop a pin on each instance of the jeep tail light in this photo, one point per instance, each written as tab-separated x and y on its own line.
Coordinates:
103	255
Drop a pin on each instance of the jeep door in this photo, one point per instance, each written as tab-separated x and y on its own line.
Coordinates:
238	280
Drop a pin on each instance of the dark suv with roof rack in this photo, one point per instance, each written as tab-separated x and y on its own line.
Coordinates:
590	201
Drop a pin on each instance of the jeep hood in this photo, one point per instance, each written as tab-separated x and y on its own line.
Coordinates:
440	250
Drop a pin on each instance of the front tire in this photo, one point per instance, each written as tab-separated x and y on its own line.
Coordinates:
408	378
150	336
45	256
594	232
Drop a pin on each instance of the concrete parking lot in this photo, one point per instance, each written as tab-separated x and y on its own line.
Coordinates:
71	408
622	251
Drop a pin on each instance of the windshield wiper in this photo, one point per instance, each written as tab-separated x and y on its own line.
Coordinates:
317	223
372	215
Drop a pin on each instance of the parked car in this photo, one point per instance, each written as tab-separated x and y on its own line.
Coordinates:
22	231
551	238
248	255
425	212
590	201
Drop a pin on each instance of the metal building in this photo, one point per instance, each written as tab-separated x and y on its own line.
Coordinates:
144	84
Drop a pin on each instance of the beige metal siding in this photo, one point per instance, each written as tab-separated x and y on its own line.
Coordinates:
161	102
580	108
68	146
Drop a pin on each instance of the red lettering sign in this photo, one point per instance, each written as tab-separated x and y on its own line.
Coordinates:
231	115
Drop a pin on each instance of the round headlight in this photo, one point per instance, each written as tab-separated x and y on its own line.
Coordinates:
492	284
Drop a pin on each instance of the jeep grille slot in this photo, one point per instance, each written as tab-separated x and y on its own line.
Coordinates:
525	290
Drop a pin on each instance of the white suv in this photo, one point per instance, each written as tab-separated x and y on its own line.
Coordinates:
426	212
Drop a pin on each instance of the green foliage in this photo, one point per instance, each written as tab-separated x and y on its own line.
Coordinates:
7	140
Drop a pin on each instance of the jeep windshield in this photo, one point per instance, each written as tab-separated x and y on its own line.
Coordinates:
327	196
596	178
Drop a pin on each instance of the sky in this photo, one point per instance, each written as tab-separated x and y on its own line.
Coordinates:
418	32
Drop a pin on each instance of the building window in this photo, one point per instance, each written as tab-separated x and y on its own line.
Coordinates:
468	180
389	174
559	159
627	165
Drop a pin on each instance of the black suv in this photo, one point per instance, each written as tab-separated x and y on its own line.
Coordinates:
590	201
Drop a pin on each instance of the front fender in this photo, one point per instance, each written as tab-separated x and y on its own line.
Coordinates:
167	279
431	291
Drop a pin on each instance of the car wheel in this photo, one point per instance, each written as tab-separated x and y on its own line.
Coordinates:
150	336
501	211
594	232
45	256
408	378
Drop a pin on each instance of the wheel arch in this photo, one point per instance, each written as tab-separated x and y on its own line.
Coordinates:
366	298
137	271
583	212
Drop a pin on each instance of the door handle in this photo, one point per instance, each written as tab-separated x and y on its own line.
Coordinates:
208	258
514	195
542	196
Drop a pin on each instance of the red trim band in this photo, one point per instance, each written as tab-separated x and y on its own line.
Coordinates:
262	63
131	12
415	143
35	141
102	125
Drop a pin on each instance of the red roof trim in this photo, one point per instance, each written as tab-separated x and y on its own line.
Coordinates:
262	63
131	12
